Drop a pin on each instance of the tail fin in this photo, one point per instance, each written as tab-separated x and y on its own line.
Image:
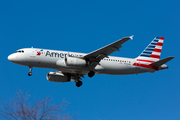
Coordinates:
149	58
152	52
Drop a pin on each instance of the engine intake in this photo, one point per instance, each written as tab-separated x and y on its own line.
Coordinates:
58	77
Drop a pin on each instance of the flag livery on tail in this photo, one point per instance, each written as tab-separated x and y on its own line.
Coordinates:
151	54
153	50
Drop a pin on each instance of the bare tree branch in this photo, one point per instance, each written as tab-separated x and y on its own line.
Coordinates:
21	108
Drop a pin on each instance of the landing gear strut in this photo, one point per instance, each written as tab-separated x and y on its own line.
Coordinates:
30	69
79	83
91	74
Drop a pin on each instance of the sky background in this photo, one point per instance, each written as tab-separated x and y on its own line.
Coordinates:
84	26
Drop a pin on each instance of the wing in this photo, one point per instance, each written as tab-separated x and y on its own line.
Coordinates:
96	56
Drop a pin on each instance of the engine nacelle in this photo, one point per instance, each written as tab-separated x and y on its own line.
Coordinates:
58	77
71	61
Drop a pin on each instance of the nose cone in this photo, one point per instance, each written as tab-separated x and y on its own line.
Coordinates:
16	58
11	57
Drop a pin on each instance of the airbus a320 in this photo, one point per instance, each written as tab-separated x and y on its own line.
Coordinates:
73	66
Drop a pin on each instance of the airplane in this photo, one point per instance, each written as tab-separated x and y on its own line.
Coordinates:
73	66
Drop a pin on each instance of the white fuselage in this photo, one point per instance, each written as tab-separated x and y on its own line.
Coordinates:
54	59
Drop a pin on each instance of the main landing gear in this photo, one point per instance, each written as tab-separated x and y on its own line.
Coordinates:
79	83
30	69
91	74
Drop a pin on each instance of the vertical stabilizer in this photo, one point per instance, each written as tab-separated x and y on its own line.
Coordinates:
152	52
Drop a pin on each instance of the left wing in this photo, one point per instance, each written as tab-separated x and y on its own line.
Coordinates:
96	56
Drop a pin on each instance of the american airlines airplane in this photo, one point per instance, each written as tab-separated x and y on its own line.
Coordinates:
72	66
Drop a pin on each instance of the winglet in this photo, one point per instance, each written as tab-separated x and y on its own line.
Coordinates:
131	37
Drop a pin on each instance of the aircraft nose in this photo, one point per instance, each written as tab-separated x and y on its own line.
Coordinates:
11	57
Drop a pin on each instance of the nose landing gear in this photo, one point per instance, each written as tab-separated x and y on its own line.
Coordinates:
30	69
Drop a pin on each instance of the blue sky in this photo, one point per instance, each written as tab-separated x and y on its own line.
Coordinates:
84	26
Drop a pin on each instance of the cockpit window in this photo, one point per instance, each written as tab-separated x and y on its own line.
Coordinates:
20	51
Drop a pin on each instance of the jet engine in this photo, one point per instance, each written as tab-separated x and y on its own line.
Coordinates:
71	61
58	77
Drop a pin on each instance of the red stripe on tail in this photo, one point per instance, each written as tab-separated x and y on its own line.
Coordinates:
145	60
155	56
157	50
162	38
145	66
159	44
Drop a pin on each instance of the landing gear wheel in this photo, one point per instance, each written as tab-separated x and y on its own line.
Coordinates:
79	83
30	69
91	74
30	73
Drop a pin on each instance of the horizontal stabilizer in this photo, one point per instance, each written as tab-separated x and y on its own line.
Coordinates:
161	62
